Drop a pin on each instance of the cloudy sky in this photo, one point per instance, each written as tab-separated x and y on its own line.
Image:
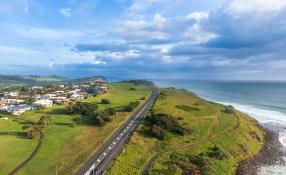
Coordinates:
184	39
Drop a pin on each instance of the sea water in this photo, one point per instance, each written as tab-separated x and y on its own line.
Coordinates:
264	101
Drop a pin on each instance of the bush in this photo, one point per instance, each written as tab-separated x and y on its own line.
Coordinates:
228	110
157	132
105	101
165	121
83	108
181	131
143	98
187	108
131	106
132	89
104	116
216	153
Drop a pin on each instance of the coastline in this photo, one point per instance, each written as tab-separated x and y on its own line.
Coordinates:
271	154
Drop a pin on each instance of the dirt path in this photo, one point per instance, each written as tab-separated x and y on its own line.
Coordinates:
210	138
35	151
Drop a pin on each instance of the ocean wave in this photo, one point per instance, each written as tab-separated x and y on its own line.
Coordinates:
262	115
282	138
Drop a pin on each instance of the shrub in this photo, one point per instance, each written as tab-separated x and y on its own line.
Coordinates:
131	106
165	121
132	89
229	110
157	132
83	108
181	131
216	152
105	101
187	108
143	98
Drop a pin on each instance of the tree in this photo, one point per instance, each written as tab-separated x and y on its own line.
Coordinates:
157	131
84	108
77	120
31	130
45	121
105	101
40	108
69	108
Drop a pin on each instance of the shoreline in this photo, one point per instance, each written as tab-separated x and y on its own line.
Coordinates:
272	153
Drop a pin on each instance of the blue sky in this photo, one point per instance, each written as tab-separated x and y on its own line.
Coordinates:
184	39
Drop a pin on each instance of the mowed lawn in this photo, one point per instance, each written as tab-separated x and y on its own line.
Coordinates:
66	147
14	147
210	127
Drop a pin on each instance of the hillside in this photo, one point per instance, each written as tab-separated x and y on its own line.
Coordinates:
218	137
66	145
8	81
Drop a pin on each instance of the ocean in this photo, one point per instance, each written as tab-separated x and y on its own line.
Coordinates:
264	101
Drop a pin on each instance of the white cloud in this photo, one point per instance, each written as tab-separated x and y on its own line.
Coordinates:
248	6
65	12
46	33
198	15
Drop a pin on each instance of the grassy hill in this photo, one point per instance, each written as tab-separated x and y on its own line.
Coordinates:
8	81
220	138
65	147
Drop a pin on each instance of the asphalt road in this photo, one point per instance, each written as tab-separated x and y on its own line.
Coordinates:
99	162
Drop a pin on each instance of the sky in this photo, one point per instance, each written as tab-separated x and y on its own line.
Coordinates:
153	39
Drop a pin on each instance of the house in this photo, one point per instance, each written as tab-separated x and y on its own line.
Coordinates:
58	100
14	94
101	88
37	87
2	104
43	102
50	96
11	101
76	97
59	92
19	109
75	86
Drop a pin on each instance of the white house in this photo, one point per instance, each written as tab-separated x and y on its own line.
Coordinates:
76	97
18	110
37	87
43	102
11	101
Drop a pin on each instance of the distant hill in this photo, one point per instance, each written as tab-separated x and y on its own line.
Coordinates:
8	81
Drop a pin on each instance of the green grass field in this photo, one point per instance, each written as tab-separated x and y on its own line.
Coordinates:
236	135
13	144
65	147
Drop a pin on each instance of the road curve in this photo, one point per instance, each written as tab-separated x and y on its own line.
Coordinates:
99	162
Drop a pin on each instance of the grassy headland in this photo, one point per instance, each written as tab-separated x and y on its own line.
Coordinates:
219	138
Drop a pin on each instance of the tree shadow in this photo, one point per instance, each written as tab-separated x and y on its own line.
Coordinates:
63	124
17	134
56	111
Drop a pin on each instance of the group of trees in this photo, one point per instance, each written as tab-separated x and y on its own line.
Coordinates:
104	116
34	128
138	82
131	106
83	108
160	123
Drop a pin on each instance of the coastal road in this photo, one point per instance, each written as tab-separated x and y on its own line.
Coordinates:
99	162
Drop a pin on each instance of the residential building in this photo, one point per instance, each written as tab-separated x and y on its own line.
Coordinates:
43	102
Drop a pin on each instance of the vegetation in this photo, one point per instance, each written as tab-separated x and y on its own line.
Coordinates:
131	106
83	108
65	147
219	139
105	101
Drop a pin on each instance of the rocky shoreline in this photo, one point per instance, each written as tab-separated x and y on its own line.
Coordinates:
272	153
